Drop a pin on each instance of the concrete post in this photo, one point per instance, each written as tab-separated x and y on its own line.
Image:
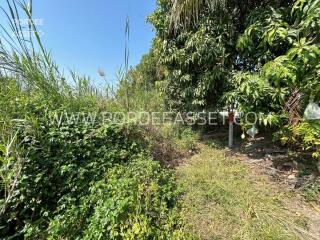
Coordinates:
231	122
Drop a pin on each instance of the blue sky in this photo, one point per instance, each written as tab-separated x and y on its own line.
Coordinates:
86	35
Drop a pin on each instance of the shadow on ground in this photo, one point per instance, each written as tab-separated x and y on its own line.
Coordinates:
296	170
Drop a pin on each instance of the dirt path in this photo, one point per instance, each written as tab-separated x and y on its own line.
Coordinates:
228	196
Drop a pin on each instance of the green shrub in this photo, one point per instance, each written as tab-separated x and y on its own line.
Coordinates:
60	161
88	181
135	201
309	135
187	139
183	137
305	136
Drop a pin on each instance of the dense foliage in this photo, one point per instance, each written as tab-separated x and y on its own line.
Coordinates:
199	59
70	176
283	46
90	179
135	201
257	57
61	174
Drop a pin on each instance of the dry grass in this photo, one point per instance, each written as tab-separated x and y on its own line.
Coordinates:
225	200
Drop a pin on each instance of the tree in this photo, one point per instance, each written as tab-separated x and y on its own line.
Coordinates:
283	47
186	13
197	45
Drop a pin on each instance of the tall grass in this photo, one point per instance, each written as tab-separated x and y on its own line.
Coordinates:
22	53
24	59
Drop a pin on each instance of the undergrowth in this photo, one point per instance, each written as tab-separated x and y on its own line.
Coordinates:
76	179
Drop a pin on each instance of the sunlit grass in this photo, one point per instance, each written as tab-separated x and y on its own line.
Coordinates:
225	200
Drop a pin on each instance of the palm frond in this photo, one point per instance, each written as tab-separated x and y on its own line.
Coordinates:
185	13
